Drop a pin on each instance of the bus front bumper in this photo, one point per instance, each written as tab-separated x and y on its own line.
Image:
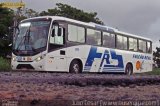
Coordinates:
38	66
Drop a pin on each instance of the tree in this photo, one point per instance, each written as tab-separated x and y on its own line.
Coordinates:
156	56
6	20
26	13
73	13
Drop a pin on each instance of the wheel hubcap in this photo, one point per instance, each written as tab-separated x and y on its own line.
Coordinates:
76	68
129	71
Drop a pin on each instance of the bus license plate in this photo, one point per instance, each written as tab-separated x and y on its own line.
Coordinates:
19	58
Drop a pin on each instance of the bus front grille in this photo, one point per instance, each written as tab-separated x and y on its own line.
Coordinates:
25	66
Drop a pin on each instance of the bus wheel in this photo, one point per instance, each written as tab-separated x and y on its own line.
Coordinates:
129	69
75	67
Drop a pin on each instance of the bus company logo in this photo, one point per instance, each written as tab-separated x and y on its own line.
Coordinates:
106	57
139	65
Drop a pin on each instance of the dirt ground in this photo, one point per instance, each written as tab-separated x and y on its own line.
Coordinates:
58	89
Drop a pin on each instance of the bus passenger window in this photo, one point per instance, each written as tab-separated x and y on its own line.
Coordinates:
142	46
76	33
108	40
121	42
132	44
149	47
57	35
93	37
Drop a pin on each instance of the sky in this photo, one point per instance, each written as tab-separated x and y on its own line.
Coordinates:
140	17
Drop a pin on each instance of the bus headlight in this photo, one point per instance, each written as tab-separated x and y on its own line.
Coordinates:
13	58
39	58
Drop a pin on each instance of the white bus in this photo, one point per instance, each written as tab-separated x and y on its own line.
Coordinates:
53	43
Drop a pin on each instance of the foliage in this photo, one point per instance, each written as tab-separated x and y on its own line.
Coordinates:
4	64
26	13
6	20
31	13
156	57
156	71
72	12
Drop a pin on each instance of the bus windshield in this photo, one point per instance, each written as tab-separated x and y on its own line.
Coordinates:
31	36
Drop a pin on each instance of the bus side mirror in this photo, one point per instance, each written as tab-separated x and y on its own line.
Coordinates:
53	32
59	31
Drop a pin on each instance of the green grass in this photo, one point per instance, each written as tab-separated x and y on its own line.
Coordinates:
156	71
4	64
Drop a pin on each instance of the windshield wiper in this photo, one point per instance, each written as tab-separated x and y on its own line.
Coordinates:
23	39
26	36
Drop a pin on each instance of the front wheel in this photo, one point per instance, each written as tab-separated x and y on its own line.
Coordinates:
75	67
129	69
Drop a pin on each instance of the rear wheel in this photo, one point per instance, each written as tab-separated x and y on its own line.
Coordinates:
75	67
129	69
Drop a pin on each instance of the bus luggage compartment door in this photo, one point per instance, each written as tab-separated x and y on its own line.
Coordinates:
56	63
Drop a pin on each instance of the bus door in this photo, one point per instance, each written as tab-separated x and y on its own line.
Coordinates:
57	52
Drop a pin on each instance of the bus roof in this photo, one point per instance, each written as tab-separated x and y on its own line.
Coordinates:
94	25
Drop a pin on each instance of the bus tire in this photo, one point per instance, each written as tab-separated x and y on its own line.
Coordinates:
129	69
75	67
